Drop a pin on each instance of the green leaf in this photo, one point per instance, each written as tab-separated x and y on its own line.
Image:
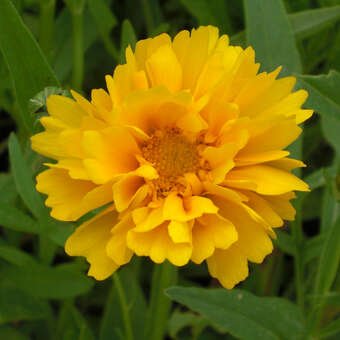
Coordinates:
312	248
29	68
42	281
210	12
285	242
309	22
63	41
323	93
179	320
112	319
163	276
7	188
331	329
304	24
102	15
270	34
7	332
24	181
38	102
16	305
13	218
15	256
242	314
331	128
72	325
128	38
329	260
57	231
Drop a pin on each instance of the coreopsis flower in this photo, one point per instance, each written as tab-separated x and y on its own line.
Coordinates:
186	153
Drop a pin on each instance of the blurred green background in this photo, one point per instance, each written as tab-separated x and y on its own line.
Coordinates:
50	46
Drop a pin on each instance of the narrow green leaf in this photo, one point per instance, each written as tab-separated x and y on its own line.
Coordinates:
331	329
29	69
312	248
42	281
63	41
242	314
128	37
285	242
24	181
323	93
163	276
304	24
270	34
16	305
307	23
16	256
102	15
329	260
209	12
179	321
57	231
7	188
112	319
72	325
8	332
201	11
15	219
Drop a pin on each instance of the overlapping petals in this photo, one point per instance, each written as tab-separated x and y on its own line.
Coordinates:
187	150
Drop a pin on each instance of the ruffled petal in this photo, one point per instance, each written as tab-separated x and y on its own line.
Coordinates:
89	240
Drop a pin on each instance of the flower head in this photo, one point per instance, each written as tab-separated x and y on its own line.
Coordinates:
186	148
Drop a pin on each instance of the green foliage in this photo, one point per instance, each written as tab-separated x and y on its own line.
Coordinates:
47	47
242	314
28	67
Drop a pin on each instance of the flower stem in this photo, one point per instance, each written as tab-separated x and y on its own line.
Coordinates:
78	52
164	275
76	8
124	307
47	9
297	234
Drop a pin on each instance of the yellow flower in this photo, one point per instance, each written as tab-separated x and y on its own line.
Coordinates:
188	145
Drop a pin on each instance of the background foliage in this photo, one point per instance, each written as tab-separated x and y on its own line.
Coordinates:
49	46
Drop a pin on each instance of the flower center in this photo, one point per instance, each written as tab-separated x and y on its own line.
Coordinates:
173	155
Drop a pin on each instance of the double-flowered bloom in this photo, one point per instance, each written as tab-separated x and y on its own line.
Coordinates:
186	153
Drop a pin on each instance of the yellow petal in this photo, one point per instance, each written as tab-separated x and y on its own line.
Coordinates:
147	220
154	109
229	266
269	180
158	245
116	247
180	232
90	239
259	204
164	69
218	190
211	232
186	209
253	239
65	109
282	206
275	138
125	190
109	153
70	198
258	158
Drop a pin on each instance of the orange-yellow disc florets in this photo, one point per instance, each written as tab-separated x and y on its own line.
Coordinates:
187	149
173	155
